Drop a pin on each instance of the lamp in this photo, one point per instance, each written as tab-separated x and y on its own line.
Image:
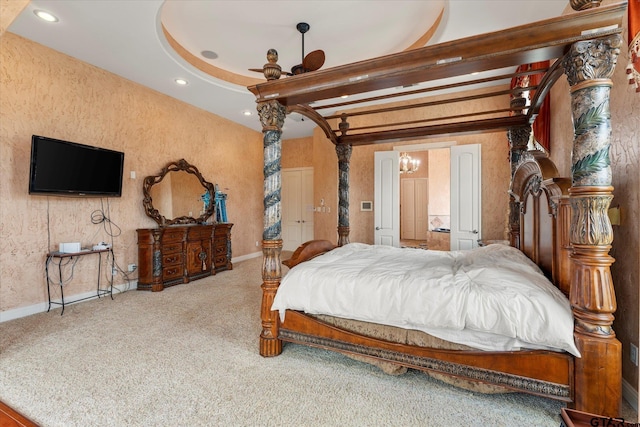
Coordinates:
407	164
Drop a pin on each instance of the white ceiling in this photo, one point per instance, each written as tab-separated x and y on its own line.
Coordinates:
126	38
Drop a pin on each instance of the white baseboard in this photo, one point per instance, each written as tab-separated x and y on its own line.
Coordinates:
42	307
630	394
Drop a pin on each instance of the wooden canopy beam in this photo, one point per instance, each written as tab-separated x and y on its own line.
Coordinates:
525	44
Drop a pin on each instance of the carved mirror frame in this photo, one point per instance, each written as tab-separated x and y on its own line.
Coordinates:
150	181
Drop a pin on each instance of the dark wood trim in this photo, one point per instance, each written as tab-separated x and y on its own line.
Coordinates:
9	417
548	39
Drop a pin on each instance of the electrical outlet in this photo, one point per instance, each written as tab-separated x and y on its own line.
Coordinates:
633	354
257	243
132	267
114	271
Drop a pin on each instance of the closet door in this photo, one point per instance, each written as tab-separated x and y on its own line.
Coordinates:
414	213
407	209
421	205
297	207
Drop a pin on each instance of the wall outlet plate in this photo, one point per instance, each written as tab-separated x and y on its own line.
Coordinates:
132	267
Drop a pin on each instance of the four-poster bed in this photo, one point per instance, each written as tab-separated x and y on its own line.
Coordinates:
559	223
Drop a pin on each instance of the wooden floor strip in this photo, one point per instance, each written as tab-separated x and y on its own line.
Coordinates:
10	418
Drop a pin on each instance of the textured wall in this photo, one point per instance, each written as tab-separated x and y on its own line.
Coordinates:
297	153
47	93
9	9
440	182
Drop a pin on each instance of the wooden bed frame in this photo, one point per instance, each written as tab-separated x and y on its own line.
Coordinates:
560	223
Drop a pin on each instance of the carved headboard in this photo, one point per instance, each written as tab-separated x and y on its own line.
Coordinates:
541	217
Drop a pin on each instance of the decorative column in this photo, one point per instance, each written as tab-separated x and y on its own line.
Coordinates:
272	115
589	66
518	141
344	155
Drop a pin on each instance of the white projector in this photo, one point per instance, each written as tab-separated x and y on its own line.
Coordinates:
69	248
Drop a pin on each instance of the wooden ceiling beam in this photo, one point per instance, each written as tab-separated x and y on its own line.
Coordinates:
395	135
545	40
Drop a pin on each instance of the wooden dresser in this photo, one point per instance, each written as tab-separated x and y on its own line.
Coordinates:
172	255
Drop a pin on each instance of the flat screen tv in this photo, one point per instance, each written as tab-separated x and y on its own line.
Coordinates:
72	169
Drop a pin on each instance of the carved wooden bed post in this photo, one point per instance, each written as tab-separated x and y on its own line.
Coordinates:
518	140
344	155
272	115
589	66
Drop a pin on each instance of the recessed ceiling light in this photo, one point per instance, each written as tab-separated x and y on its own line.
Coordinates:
45	16
181	82
344	96
209	54
247	113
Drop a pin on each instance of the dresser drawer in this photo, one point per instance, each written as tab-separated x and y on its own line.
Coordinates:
172	248
171	259
172	272
220	260
221	232
200	233
172	235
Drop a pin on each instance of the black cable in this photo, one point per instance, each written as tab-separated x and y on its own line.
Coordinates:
100	217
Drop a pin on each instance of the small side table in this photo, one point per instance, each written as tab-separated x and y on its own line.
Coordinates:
63	259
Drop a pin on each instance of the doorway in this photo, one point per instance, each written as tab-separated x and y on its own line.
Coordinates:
453	201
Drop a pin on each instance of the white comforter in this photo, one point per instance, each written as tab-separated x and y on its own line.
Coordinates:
490	298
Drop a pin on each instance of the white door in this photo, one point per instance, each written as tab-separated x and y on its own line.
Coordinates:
387	198
465	196
421	207
297	207
407	209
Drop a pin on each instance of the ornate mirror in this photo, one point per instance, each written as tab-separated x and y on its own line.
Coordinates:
178	195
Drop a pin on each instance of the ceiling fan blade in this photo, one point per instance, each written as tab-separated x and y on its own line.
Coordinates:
257	70
313	61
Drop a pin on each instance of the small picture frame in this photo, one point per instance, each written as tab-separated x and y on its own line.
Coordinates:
366	206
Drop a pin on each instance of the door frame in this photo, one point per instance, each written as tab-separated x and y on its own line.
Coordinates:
433	146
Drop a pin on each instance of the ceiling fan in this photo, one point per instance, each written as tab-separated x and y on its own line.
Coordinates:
311	62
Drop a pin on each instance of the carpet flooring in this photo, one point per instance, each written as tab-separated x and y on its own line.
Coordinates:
188	356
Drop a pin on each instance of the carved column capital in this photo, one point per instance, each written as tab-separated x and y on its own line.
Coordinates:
518	141
592	59
272	115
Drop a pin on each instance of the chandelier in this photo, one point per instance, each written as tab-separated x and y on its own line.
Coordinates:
407	164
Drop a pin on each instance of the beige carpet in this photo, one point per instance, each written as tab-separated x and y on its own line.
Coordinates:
188	356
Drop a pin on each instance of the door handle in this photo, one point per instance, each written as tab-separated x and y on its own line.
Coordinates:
298	221
474	231
377	228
